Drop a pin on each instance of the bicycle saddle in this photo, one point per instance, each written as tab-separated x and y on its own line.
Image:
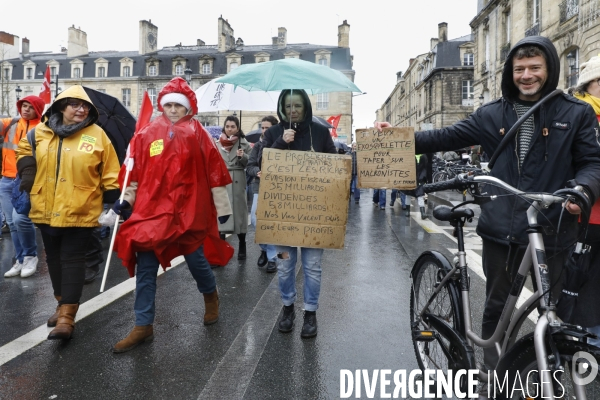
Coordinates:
446	213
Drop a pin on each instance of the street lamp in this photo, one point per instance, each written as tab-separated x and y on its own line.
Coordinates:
18	91
188	75
360	94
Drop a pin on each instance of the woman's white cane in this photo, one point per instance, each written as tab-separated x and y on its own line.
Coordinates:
116	227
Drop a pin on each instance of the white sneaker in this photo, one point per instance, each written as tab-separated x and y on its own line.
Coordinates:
14	271
29	266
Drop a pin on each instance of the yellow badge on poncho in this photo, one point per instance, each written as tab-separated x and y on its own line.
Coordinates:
156	147
86	144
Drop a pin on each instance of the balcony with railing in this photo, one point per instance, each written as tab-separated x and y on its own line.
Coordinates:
504	50
568	9
484	67
533	31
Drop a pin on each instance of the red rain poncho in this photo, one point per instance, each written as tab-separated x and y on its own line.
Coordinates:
174	212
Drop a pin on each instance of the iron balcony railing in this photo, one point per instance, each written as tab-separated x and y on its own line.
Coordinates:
533	31
568	9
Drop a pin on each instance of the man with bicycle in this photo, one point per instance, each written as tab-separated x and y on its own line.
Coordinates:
557	143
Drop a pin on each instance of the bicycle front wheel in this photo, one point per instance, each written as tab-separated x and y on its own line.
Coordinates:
520	362
427	275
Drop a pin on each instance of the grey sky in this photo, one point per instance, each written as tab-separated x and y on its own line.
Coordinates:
383	34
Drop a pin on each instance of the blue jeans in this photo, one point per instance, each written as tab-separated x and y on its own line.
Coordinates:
145	282
353	187
395	196
286	272
22	229
379	196
269	248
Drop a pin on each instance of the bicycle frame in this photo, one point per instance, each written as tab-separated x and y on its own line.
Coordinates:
509	322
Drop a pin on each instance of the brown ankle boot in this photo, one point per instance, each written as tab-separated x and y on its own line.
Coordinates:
54	318
66	322
137	336
211	307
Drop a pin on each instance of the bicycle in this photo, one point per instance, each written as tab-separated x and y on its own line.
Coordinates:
440	313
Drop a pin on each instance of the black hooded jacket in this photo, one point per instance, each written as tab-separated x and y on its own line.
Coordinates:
570	151
307	132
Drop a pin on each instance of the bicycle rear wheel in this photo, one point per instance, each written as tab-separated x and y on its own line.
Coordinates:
521	360
427	275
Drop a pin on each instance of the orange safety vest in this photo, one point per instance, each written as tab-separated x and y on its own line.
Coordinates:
13	132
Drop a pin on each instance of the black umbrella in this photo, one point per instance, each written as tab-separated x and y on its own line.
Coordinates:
254	136
342	146
115	119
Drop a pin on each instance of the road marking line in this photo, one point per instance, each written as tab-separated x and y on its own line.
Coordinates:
26	342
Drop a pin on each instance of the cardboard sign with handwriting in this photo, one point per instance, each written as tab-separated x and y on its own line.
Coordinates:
386	159
303	199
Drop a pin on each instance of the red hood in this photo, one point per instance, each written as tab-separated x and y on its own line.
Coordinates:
37	103
179	85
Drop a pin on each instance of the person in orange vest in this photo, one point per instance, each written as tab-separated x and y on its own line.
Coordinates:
22	230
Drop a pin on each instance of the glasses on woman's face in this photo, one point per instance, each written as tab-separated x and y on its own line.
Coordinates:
77	105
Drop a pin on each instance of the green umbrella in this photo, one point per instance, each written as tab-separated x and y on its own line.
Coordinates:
289	73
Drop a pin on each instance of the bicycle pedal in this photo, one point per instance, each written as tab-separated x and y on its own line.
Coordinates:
423	336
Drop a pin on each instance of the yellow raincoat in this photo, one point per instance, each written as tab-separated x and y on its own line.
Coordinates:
72	172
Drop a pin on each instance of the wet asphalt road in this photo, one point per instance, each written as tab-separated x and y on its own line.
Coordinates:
363	324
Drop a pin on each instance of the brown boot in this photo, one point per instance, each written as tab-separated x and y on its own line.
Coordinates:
137	336
211	307
66	322
54	318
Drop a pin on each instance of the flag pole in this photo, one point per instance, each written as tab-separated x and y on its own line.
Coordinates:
116	227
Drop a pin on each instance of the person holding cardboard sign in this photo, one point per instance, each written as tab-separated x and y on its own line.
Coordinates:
296	131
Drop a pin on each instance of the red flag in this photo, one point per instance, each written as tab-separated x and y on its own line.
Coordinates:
45	93
334	120
145	113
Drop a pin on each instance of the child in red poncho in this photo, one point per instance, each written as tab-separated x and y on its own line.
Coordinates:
177	191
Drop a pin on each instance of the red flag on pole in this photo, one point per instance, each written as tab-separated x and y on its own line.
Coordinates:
45	93
334	120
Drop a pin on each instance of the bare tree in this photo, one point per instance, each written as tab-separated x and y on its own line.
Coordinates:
5	84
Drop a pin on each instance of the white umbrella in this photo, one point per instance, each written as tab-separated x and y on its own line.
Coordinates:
215	96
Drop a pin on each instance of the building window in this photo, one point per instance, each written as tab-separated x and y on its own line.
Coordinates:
507	23
468	59
233	66
152	95
206	69
101	72
322	101
535	11
323	61
572	67
467	93
77	72
126	97
152	70
179	69
53	73
29	73
7	74
126	71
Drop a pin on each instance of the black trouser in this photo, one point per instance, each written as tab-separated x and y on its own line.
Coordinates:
95	253
65	256
500	266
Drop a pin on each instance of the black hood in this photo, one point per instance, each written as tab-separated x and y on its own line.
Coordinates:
307	107
509	90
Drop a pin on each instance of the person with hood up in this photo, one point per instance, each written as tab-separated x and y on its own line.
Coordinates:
556	144
22	230
588	90
297	131
69	167
176	191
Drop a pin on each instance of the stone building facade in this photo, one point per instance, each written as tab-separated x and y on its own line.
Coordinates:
127	74
572	25
437	88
